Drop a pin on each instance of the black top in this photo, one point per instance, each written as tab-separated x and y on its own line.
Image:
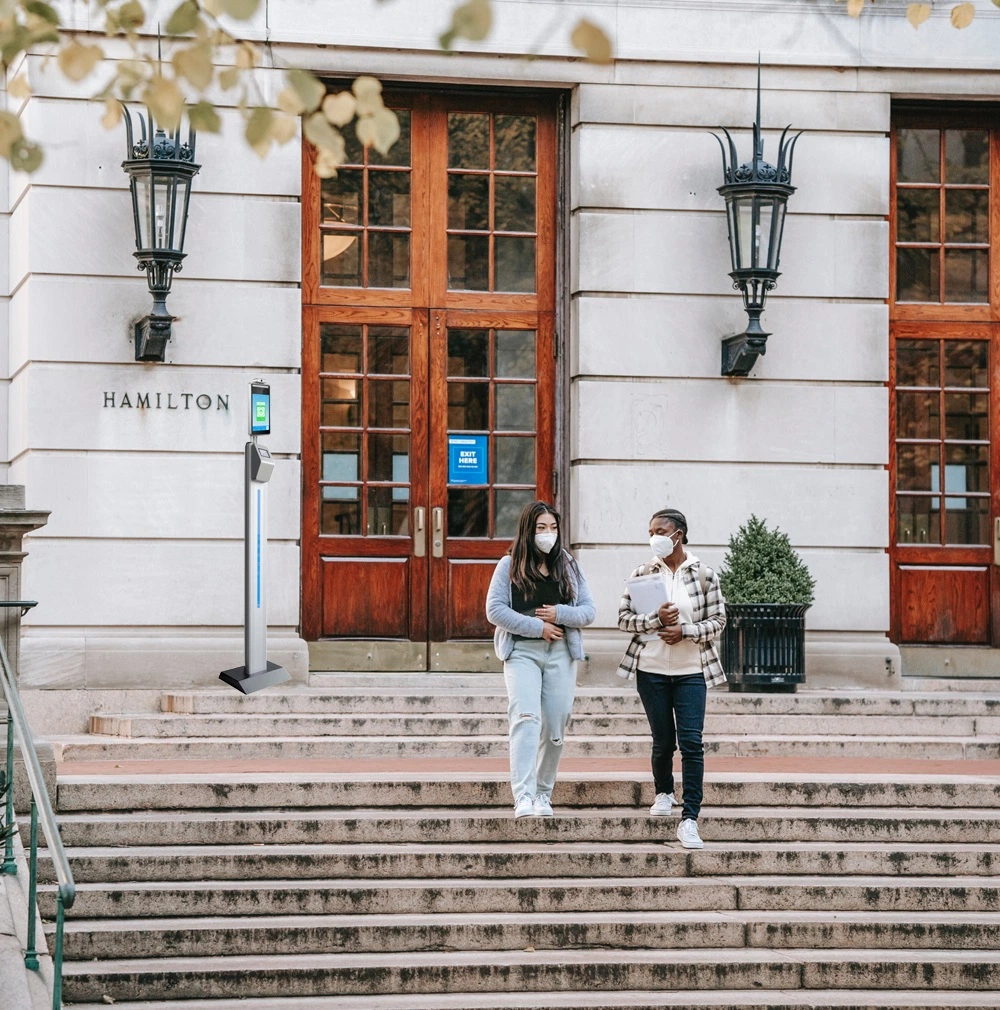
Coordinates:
546	594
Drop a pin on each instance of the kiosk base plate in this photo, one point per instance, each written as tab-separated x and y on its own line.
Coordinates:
247	683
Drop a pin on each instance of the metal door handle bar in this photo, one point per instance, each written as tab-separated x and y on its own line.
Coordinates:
419	532
437	545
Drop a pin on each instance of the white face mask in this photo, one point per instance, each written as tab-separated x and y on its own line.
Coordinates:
546	541
662	547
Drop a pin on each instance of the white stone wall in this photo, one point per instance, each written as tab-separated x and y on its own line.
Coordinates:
138	572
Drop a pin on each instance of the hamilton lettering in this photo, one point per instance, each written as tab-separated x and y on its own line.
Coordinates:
163	401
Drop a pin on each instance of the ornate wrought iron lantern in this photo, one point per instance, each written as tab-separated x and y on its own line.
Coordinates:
756	194
160	169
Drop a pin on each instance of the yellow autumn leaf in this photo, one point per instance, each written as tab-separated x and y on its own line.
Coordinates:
258	130
591	40
19	87
164	99
131	15
25	156
229	78
204	118
320	133
284	128
380	130
917	14
76	61
309	89
194	64
288	101
471	20
326	165
247	56
112	113
339	108
240	10
368	92
10	133
854	7
962	15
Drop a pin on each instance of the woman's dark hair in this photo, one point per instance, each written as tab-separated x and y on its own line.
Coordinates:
526	558
675	517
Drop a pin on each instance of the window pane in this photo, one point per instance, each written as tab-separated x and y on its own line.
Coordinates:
967	156
340	198
918	415
515	460
965	363
468	140
967	520
917	467
515	203
966	468
342	259
918	155
509	506
389	199
515	143
388	350
967	215
515	407
469	202
468	351
967	416
917	363
340	518
966	275
341	452
355	152
388	512
515	264
468	406
917	520
389	458
389	404
399	153
388	260
917	215
515	350
341	403
468	512
917	272
468	262
340	348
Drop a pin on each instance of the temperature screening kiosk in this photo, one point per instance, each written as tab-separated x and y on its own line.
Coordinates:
257	672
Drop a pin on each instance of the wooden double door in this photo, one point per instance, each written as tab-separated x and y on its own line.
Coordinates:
945	391
428	367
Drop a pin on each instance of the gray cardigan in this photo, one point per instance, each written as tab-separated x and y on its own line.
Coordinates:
510	625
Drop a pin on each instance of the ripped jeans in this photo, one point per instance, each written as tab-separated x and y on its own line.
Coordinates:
541	684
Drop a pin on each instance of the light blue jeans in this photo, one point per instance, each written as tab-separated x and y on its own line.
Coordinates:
541	685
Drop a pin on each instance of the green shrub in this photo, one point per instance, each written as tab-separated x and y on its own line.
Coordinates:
761	566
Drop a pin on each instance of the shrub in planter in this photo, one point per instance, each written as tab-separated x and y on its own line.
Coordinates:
768	590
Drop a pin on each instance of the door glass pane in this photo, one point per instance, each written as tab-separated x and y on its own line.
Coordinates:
917	363
515	460
966	275
966	468
341	253
967	520
389	260
918	415
515	203
468	262
340	403
515	143
917	467
389	404
468	512
340	348
389	199
917	519
967	215
509	506
918	215
388	350
515	263
340	197
515	354
389	458
341	453
966	416
918	155
468	406
468	352
917	274
399	153
469	202
515	407
388	512
340	518
965	363
967	156
468	140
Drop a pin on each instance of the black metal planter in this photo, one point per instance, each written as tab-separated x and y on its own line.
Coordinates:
764	645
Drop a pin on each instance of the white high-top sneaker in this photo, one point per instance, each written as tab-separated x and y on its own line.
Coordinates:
662	805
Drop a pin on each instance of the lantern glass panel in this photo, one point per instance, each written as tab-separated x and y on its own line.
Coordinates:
762	233
181	213
734	254
777	232
143	205
745	231
163	191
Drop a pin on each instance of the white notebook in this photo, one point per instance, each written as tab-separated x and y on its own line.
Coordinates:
648	593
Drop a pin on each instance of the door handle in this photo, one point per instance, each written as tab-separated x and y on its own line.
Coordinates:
996	541
437	544
419	532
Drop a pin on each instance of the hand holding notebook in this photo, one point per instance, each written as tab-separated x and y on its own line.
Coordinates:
648	594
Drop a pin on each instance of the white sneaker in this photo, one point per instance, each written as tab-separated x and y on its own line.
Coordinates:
687	834
525	807
663	804
543	807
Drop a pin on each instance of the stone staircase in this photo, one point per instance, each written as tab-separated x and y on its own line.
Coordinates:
352	846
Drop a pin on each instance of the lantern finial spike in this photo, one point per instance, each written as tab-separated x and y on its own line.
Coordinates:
758	141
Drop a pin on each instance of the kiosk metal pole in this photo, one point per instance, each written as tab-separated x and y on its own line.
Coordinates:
257	672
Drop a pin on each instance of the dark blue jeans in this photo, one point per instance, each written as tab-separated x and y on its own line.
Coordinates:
665	700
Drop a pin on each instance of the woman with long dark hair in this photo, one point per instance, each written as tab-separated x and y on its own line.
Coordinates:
538	601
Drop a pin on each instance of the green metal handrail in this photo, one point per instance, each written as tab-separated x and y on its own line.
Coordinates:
41	809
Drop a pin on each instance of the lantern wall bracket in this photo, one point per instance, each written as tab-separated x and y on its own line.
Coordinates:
740	352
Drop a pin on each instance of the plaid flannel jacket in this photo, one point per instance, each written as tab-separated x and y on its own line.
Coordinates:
709	607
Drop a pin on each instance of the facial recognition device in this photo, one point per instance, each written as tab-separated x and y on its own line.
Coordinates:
257	672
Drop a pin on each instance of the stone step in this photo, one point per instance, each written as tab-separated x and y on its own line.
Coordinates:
370	974
801	999
362	826
90	939
595	701
239	790
265	897
105	748
571	860
465	725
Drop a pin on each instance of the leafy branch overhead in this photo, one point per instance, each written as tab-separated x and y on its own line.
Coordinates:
962	14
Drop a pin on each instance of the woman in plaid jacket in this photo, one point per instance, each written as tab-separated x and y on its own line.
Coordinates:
674	660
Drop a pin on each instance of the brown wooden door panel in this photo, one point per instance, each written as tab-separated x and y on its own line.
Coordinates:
368	597
944	605
468	582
